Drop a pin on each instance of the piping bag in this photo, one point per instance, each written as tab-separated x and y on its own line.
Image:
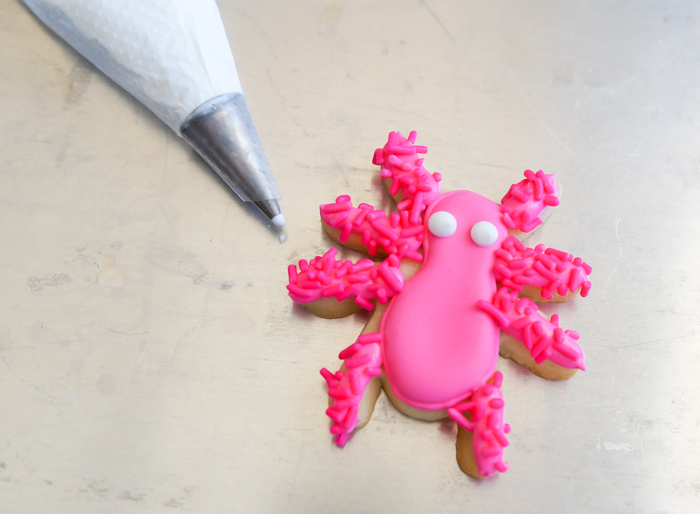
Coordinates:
174	57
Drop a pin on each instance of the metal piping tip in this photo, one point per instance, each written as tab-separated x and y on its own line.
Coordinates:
271	209
222	132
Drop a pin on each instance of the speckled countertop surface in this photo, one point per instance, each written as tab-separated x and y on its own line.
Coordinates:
151	360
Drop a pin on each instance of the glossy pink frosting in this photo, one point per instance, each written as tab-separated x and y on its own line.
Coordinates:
438	345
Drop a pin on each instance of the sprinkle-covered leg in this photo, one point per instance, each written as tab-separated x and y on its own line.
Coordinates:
519	318
365	229
554	274
524	204
325	277
363	361
486	423
409	183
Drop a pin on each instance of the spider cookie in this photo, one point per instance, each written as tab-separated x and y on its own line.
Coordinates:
455	288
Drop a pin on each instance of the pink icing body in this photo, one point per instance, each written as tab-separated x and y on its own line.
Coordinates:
438	346
438	340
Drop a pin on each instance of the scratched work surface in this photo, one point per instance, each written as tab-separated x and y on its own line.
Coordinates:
151	360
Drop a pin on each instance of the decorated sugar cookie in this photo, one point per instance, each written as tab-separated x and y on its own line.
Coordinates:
455	287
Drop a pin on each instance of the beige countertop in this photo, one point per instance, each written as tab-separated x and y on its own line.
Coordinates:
151	360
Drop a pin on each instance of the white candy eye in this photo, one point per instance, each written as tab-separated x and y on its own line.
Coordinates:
484	233
442	224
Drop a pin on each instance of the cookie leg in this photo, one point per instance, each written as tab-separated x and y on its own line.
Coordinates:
481	439
363	361
542	339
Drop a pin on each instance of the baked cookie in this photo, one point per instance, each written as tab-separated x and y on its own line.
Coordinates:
454	287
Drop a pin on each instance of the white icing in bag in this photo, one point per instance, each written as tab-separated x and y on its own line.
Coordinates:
172	55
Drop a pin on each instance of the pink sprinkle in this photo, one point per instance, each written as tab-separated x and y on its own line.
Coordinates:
351	417
356	362
391	279
539	189
549	263
508	221
355	386
551	201
336	207
500	437
346	404
339	393
585	289
465	406
293	275
385	231
412	231
298	291
330	379
361	265
586	268
372	248
517	244
562	255
520	323
365	304
349	351
500	318
540	347
519	195
404	204
503	271
559	336
572	334
374	337
393	261
394	220
501	467
562	289
345	234
517	264
366	236
496	403
333	290
503	255
538	328
460	419
567	352
537	266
